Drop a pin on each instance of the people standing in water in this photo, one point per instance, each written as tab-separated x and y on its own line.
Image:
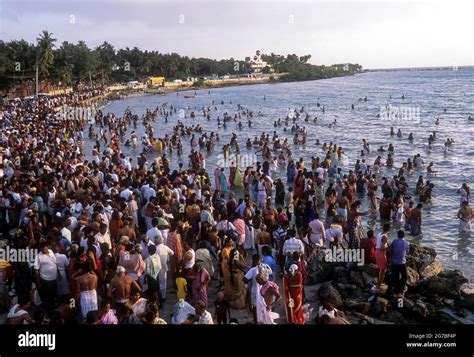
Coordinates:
74	195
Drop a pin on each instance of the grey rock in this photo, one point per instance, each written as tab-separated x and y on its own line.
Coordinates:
431	270
370	269
368	279
356	278
413	277
394	316
327	293
363	319
380	306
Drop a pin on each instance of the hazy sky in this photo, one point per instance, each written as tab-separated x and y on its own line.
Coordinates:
375	34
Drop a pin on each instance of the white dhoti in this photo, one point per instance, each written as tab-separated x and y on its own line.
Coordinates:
162	280
88	302
264	316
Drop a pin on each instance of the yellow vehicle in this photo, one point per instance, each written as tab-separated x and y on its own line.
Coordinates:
156	81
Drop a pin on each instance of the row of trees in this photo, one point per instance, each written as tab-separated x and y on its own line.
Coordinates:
68	63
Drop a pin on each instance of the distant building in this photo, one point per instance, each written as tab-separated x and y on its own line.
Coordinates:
156	81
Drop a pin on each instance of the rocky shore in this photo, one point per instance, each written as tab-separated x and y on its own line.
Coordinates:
432	295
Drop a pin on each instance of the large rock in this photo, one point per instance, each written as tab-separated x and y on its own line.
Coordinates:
379	306
319	270
356	278
431	270
363	319
420	257
413	277
421	309
370	269
355	305
446	284
394	316
340	274
368	279
467	297
327	293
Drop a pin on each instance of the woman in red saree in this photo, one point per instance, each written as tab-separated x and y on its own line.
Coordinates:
293	293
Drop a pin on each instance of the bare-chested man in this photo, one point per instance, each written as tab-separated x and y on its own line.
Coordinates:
120	286
465	215
87	284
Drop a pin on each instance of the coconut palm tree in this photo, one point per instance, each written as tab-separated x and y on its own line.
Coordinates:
45	44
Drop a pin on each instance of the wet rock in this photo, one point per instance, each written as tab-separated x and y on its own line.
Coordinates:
379	306
355	305
329	294
356	278
319	270
445	316
467	297
370	269
420	309
368	279
363	319
420	257
446	284
339	274
350	287
431	270
449	302
394	316
412	277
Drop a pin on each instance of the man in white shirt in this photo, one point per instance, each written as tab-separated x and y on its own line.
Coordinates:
103	236
126	193
153	233
46	272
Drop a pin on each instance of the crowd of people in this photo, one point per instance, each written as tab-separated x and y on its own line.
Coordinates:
116	238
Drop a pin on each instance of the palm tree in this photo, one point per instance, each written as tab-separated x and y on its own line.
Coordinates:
45	43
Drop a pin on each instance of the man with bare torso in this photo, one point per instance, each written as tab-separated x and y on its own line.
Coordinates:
87	284
120	286
465	215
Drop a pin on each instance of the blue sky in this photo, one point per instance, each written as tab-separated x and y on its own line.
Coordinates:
376	34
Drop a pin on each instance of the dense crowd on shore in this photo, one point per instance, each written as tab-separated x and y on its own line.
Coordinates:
116	237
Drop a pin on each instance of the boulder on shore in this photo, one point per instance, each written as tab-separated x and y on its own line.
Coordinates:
327	293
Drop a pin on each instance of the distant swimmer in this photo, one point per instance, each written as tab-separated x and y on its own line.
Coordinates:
470	118
437	121
403	96
392	132
410	137
352	106
264	98
399	133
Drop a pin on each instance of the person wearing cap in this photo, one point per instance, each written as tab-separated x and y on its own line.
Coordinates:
293	295
121	286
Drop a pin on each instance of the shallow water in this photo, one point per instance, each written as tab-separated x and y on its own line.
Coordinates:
429	91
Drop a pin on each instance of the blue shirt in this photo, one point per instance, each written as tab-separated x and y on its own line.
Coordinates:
400	248
268	259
